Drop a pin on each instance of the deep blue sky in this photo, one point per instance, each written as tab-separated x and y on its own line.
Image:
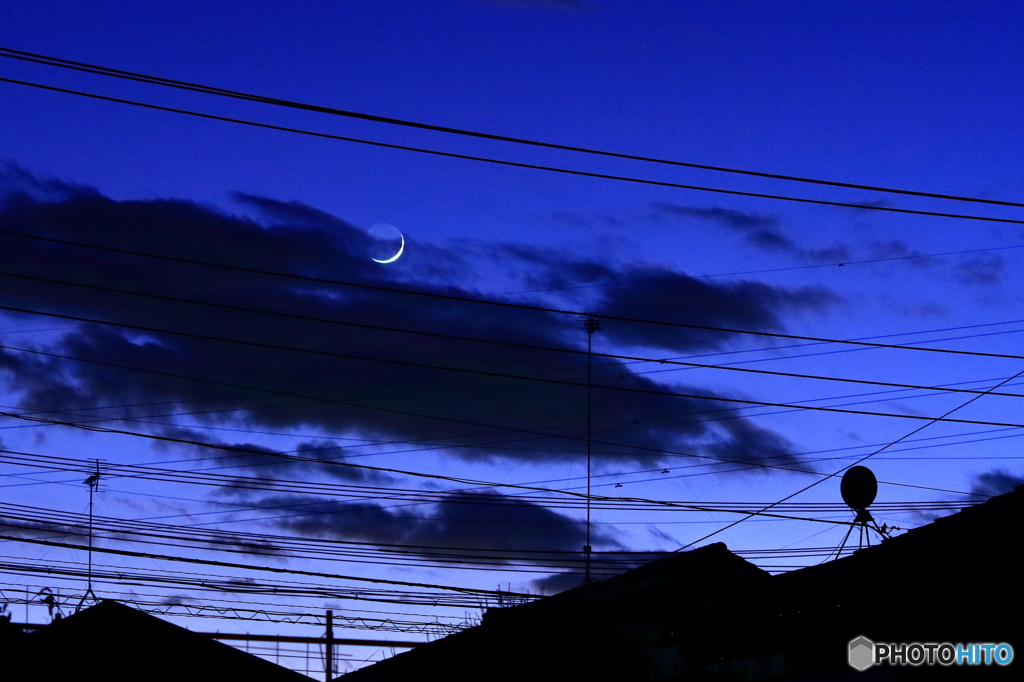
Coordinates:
914	95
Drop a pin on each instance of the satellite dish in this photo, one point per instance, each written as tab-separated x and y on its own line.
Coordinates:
859	487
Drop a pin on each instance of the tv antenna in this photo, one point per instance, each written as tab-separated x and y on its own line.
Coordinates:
859	488
590	325
94	485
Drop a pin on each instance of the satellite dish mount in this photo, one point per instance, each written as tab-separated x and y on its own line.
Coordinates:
859	488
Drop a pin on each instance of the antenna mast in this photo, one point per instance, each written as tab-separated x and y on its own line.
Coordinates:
590	325
94	484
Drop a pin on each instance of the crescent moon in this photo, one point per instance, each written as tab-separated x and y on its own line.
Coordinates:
395	257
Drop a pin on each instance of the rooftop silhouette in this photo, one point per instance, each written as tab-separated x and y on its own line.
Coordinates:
708	614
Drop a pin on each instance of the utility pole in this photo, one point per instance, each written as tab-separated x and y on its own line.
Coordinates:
590	325
329	648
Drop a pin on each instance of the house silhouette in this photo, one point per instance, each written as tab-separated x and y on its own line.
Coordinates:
709	615
111	642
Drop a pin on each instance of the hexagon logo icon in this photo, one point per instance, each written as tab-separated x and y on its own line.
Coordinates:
862	653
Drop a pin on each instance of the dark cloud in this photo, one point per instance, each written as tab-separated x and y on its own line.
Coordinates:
726	217
75	534
59	532
667	295
833	254
750	443
897	249
476	521
980	270
996	482
241	544
571	218
602	566
761	231
764	232
482	526
974	270
385	386
587	221
317	456
17	182
771	241
661	294
558	582
863	206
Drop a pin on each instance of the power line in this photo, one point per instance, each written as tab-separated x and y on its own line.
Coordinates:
513	344
505	304
125	578
802	180
282	486
836	473
244	539
306	549
355	491
254	567
265	391
482	299
264	453
143	419
283	589
514	164
499	429
549	435
465	562
541	434
847	263
512	429
478	372
280	587
262	99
